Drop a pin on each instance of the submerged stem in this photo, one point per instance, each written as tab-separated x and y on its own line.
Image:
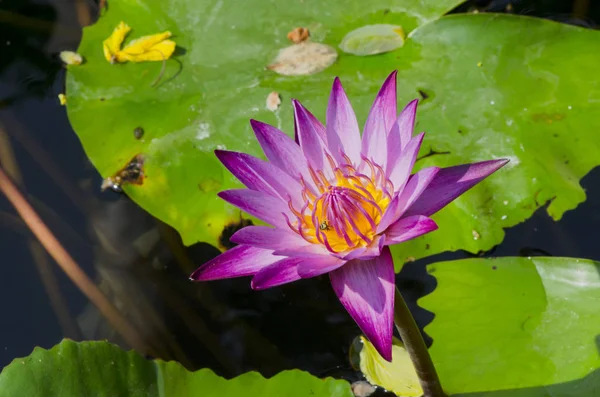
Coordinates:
416	348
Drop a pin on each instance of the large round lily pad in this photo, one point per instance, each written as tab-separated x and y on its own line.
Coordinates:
516	327
493	86
103	369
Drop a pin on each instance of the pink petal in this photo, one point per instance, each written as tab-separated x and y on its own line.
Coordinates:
414	188
390	215
343	134
281	151
411	192
318	126
366	289
268	238
281	272
402	130
310	250
262	176
408	228
449	183
365	253
311	142
400	168
239	261
379	122
259	204
312	267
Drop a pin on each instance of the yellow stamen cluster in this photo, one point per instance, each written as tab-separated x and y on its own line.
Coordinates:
344	211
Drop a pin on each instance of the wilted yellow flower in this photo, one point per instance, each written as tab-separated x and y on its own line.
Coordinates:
154	47
112	45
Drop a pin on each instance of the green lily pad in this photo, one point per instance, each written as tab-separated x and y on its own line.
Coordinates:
398	376
493	86
207	94
102	369
516	326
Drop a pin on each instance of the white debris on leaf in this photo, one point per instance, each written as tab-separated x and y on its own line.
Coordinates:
303	59
273	101
476	235
203	131
70	58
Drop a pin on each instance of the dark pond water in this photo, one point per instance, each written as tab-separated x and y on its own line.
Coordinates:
140	263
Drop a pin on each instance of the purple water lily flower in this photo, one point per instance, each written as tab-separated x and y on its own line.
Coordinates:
336	202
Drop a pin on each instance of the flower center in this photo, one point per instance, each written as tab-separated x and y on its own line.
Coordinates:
345	211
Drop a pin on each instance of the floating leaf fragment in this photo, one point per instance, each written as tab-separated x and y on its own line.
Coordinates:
302	59
70	58
155	47
298	35
62	98
373	39
398	376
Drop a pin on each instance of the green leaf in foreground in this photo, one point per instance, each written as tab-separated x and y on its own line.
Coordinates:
528	326
103	369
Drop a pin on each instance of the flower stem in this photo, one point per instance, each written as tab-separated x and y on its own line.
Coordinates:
416	348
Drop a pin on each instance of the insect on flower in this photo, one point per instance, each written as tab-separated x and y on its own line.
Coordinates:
336	201
324	226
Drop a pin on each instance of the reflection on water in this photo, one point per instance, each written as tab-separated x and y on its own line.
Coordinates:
140	263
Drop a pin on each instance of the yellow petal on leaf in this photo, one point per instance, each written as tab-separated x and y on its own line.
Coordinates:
148	48
62	98
144	43
112	45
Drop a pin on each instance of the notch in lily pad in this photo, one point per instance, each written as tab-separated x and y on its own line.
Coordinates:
131	173
373	39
